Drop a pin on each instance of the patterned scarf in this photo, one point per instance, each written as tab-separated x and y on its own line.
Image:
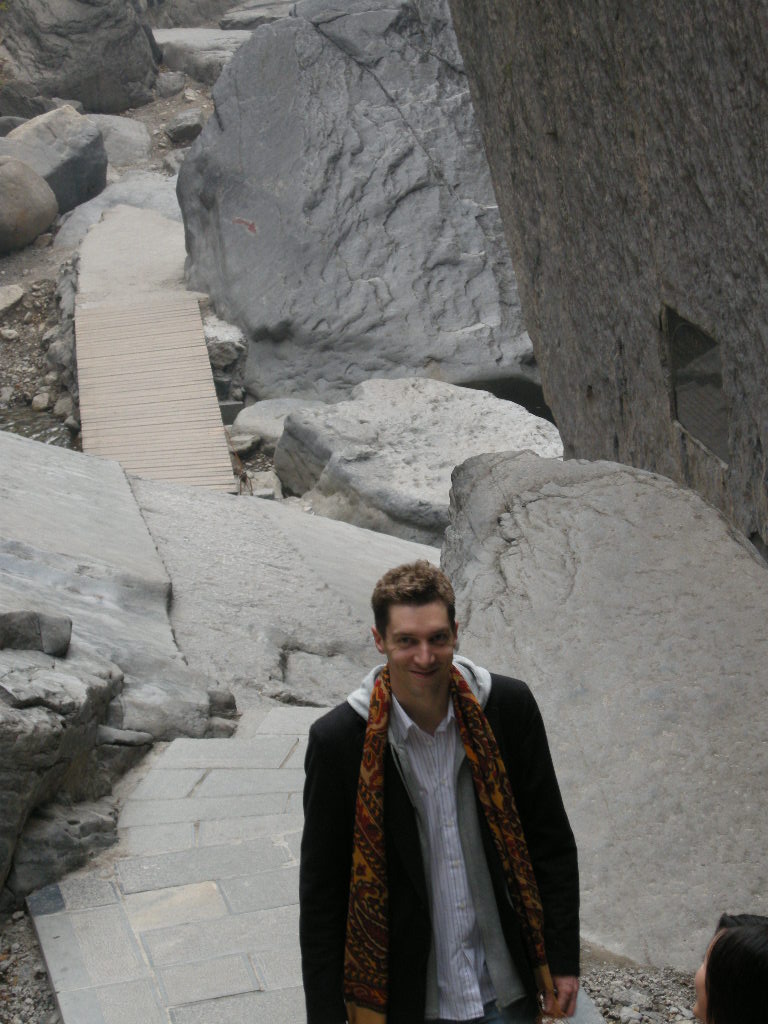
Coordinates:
366	954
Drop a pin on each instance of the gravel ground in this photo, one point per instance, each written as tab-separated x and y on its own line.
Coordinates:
29	388
622	991
632	994
25	994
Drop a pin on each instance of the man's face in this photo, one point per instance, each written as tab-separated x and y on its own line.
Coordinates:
419	643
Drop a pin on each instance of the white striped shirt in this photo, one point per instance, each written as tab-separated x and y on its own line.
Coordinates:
464	985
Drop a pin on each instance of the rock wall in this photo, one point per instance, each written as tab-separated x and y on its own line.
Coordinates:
628	149
338	207
74	549
96	51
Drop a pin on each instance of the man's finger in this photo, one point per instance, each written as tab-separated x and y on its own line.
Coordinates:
567	988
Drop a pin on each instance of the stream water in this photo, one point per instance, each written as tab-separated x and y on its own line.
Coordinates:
40	426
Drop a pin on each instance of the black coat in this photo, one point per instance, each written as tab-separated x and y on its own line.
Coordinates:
332	767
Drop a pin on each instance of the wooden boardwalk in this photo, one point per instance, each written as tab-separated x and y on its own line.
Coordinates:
147	397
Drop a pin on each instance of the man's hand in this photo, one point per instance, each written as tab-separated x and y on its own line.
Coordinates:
566	989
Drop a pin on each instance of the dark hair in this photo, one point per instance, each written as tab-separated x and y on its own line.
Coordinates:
734	920
415	583
736	975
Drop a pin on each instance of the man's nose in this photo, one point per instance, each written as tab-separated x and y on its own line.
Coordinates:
424	653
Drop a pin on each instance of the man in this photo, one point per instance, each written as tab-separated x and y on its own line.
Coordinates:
439	879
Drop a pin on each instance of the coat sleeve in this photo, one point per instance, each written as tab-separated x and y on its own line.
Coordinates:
324	876
547	830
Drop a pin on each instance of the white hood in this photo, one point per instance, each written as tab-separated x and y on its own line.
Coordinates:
478	680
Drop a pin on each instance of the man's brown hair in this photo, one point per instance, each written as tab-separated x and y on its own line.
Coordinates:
414	583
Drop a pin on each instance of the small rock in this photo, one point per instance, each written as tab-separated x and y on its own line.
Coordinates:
35	631
172	161
63	407
190	95
628	1016
41	402
169	83
7	334
76	104
186	126
243	444
266	485
6	395
72	425
10	296
51	377
43	241
28	317
225	342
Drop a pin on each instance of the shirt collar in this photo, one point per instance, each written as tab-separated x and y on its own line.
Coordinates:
403	725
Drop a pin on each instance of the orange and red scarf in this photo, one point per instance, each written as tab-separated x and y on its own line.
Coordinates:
366	954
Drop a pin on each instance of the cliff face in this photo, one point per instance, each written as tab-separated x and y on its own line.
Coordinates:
628	150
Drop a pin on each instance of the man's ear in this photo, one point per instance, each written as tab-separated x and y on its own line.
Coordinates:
378	639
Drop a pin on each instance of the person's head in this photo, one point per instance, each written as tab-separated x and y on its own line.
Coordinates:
731	984
416	583
415	615
734	920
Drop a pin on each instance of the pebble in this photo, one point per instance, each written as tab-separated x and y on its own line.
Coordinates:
8	334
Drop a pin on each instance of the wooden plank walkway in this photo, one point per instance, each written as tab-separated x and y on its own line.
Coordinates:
147	397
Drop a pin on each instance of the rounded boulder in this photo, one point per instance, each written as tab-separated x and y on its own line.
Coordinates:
27	205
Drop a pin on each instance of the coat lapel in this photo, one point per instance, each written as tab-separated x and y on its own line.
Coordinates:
401	828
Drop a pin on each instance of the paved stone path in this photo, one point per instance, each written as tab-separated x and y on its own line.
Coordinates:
195	920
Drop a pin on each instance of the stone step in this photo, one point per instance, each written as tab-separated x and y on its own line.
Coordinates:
195	921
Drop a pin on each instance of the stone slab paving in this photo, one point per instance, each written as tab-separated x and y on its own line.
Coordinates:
194	920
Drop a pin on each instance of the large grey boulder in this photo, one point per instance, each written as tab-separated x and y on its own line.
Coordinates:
126	140
274	602
66	149
384	458
638	617
200	53
27	204
95	51
628	151
339	208
49	719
